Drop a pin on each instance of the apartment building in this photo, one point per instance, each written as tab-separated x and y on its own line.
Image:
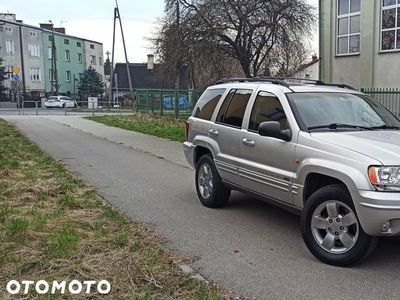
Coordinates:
50	61
360	42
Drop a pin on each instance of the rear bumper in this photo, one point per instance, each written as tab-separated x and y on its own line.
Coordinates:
376	208
188	149
53	104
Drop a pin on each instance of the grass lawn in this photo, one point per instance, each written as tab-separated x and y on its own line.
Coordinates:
54	227
165	127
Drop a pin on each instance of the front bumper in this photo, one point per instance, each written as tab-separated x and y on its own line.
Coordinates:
188	149
375	208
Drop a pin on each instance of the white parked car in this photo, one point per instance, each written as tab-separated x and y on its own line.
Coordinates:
60	101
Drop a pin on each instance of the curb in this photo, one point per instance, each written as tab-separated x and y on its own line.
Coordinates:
189	271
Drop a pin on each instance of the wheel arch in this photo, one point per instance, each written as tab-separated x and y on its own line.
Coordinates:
199	152
315	181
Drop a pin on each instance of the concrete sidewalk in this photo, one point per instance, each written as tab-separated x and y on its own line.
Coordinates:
162	148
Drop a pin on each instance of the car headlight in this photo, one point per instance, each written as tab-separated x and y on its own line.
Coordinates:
385	178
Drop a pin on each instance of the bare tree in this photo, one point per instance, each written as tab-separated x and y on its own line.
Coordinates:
288	56
249	30
211	39
187	52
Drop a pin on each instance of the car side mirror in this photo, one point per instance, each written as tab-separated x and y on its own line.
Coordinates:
273	129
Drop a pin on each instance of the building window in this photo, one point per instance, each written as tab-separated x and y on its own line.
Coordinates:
68	76
32	34
8	29
91	46
80	76
67	55
390	37
49	53
66	41
92	59
35	74
78	44
10	47
348	27
100	61
79	58
50	37
9	71
34	50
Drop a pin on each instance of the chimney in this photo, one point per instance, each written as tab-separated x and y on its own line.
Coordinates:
47	26
150	61
314	58
8	17
60	30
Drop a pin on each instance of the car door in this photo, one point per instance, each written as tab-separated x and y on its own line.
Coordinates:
267	165
225	133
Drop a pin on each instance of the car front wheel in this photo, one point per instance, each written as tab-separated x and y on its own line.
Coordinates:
331	230
210	190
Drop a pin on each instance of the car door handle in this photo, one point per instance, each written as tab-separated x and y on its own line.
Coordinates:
248	142
213	132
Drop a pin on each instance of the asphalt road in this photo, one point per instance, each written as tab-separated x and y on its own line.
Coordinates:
250	247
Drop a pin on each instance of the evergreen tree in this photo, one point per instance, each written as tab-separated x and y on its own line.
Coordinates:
91	83
3	76
107	66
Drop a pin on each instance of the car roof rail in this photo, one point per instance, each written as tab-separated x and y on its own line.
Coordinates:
281	81
255	79
318	82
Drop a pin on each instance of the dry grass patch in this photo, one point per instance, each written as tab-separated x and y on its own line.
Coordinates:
54	227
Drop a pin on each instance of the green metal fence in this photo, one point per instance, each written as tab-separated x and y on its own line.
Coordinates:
389	97
178	104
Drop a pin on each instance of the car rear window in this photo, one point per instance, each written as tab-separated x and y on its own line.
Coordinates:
206	105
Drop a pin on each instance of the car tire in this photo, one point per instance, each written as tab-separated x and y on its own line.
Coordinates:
331	230
210	190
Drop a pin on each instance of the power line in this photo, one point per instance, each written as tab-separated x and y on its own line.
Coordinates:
94	18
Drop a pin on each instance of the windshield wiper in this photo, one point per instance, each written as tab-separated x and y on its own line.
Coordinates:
386	127
340	125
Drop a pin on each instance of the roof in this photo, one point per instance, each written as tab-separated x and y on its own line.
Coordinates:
46	30
144	78
305	66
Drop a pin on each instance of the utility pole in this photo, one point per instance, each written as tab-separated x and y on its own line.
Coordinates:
54	73
118	16
22	61
177	60
52	65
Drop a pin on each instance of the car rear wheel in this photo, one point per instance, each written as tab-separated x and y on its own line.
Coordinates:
331	230
210	190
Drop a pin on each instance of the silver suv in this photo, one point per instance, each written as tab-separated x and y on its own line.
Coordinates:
324	151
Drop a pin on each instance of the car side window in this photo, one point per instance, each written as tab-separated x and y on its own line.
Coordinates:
267	107
206	105
233	108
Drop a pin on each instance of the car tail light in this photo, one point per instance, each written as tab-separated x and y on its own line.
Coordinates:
187	130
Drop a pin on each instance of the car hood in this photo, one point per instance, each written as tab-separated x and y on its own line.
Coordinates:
382	145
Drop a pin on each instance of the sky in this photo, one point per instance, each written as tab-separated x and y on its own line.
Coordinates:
93	20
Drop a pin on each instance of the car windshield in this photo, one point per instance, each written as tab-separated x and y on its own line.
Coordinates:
340	110
53	98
